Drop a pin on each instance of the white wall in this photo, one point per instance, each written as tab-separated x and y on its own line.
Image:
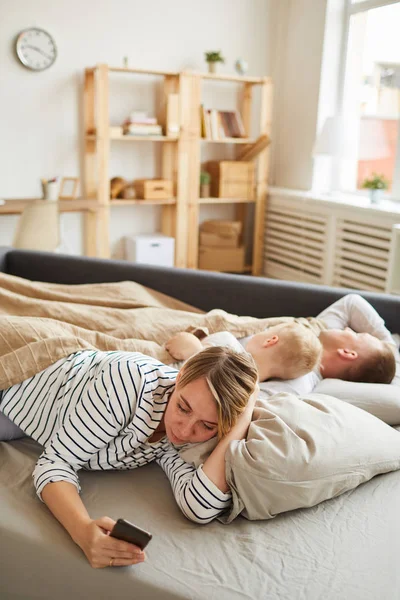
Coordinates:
41	112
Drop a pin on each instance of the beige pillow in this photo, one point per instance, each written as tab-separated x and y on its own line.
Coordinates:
380	399
303	450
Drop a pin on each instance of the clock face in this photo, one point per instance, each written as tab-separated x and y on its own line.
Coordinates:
36	49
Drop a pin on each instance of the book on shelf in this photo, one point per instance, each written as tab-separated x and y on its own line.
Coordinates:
140	123
142	129
140	116
221	124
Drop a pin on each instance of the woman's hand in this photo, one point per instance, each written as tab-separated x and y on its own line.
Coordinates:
102	550
214	466
252	400
183	345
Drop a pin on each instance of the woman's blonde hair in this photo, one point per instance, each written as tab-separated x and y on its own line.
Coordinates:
231	377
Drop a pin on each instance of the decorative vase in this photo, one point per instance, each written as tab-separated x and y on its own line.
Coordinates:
205	190
212	67
375	196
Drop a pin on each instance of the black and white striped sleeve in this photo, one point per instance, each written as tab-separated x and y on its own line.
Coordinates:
103	409
197	496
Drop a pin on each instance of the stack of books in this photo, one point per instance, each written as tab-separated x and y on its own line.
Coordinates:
221	124
139	123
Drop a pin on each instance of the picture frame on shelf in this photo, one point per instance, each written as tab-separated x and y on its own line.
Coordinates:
69	188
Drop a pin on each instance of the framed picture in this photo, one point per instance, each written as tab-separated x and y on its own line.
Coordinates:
68	188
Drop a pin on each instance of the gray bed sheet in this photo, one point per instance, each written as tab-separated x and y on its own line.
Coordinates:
347	548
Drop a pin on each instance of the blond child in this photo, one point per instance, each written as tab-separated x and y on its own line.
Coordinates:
285	351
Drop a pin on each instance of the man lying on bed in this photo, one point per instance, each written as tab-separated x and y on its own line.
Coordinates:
356	347
368	346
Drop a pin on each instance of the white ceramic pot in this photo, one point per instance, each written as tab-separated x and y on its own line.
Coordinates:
375	196
51	189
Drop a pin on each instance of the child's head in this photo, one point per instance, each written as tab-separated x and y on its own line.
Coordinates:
212	390
356	356
285	351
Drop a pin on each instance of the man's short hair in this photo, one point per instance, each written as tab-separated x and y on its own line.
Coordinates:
378	367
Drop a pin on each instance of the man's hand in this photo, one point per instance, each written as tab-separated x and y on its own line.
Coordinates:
183	345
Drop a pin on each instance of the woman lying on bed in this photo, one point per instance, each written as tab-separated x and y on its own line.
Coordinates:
121	410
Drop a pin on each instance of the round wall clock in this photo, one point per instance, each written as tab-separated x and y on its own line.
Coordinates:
36	49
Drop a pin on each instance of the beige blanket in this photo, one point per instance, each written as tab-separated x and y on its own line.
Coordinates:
42	322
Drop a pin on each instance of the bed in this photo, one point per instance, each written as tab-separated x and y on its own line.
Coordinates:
345	548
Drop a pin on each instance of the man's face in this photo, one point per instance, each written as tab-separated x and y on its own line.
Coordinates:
362	343
191	415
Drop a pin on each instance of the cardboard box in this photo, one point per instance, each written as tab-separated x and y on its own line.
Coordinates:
232	179
218	241
153	189
222	259
221	227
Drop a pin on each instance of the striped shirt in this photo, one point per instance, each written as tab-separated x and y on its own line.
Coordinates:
97	410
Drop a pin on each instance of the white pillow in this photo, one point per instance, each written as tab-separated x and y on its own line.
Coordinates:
379	399
303	450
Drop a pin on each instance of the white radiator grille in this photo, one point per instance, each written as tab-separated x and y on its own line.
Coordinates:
294	245
361	255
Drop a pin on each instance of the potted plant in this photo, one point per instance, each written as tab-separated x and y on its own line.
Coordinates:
376	184
212	58
205	179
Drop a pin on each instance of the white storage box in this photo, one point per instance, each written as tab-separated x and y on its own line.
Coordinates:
150	249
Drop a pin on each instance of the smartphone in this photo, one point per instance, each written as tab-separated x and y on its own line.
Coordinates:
124	530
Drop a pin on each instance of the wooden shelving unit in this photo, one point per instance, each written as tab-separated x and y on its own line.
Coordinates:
225	201
180	160
15	206
228	141
193	82
118	202
97	156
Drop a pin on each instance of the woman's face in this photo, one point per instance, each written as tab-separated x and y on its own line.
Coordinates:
191	415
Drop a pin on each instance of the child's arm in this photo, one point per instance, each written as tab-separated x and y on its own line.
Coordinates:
183	345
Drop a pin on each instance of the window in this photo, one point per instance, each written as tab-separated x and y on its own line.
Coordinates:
371	93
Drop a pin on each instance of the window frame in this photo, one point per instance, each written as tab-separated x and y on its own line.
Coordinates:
351	9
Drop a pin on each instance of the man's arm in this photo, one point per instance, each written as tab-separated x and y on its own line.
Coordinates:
355	312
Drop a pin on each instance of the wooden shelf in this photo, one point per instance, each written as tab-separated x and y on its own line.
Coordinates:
137	138
143	138
144	71
229	141
15	206
143	202
235	78
225	201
